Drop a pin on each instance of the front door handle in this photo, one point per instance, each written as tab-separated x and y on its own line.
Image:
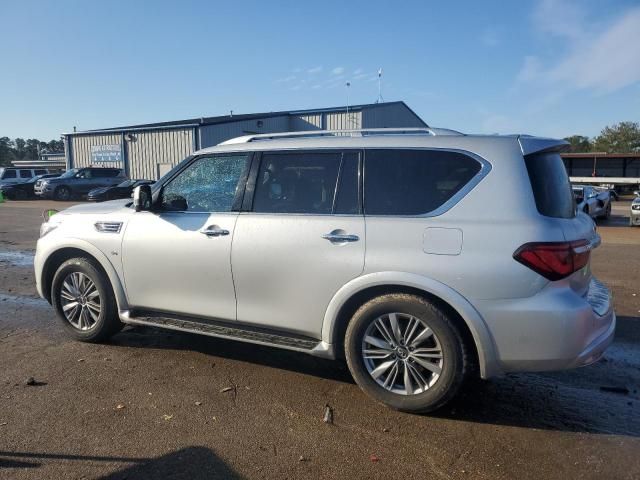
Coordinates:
214	231
339	236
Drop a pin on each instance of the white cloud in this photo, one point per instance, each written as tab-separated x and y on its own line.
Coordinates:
599	59
313	70
337	71
357	71
288	79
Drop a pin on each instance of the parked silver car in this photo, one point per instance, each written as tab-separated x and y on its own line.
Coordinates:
595	202
375	245
634	214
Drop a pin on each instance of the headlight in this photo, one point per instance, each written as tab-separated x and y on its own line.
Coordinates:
47	227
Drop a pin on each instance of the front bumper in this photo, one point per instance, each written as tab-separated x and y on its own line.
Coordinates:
556	329
634	218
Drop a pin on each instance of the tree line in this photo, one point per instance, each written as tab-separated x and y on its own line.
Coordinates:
30	149
623	137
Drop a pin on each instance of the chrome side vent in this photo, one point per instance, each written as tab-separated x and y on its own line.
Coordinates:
108	227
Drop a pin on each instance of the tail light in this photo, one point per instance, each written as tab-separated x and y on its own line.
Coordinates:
554	260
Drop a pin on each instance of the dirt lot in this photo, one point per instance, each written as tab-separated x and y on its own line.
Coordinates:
157	404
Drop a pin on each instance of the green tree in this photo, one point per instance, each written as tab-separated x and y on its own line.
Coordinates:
579	144
623	137
19	148
6	152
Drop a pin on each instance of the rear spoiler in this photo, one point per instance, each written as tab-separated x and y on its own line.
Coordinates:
530	145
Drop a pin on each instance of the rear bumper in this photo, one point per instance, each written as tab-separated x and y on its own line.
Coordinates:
556	329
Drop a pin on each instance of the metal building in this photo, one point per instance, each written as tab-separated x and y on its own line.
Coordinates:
150	150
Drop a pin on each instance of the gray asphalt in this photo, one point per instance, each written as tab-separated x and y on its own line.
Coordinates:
157	404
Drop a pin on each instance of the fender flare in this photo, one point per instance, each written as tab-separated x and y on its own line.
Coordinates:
101	258
487	358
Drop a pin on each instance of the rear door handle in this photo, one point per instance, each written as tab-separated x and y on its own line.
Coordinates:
214	231
336	237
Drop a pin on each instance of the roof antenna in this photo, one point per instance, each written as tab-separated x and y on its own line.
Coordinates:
348	84
380	99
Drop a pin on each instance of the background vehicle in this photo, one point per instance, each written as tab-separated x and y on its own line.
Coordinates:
634	214
80	181
121	190
595	202
25	189
15	175
376	246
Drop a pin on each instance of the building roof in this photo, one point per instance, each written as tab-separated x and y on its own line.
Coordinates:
192	122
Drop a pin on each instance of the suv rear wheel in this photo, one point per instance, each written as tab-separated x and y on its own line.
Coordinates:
84	301
406	353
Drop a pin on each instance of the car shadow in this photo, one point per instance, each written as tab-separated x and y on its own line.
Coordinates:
150	337
189	463
600	398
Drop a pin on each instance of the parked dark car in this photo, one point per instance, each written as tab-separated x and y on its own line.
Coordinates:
79	181
122	190
23	190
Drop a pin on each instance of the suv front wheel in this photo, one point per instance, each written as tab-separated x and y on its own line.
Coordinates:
406	353
84	301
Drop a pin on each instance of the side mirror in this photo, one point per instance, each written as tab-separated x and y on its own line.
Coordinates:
142	198
637	193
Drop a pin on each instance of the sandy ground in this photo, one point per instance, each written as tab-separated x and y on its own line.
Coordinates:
151	403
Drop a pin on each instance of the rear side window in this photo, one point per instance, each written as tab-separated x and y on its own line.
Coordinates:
413	182
25	174
550	185
9	174
40	172
300	182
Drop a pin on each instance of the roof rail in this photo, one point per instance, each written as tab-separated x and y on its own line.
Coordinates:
364	132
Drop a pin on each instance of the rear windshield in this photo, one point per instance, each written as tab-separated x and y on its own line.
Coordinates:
550	184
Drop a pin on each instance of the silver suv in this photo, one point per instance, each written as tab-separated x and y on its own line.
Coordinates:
421	256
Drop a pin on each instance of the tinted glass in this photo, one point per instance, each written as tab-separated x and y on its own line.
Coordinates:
413	182
347	198
9	174
550	184
297	183
25	174
207	185
104	172
40	172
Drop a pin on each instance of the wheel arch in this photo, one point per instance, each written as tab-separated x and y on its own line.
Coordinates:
360	290
80	248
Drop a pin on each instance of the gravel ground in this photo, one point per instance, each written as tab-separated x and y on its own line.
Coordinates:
153	403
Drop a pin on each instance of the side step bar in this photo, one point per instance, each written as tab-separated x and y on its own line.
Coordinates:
229	331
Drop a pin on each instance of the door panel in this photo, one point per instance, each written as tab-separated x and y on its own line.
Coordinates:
286	273
303	240
170	265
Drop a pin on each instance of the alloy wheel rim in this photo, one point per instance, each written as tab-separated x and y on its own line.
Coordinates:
80	301
402	354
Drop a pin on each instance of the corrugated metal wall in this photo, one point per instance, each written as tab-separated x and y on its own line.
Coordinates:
394	115
213	134
81	148
344	120
145	150
301	123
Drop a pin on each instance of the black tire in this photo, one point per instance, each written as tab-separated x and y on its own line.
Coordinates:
107	323
62	193
607	212
456	360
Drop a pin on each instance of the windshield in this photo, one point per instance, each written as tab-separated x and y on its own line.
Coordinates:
70	173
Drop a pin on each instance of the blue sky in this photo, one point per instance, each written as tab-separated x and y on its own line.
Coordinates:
546	67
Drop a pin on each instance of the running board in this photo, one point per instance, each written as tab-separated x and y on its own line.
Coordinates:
238	332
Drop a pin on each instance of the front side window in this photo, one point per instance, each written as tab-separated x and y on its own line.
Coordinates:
40	172
209	184
300	182
414	182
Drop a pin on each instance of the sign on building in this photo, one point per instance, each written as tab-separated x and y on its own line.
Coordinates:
106	153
